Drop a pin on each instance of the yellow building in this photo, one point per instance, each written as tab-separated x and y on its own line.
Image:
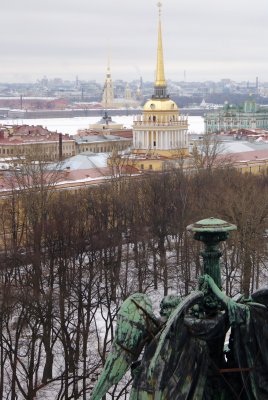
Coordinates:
160	134
25	139
106	124
102	143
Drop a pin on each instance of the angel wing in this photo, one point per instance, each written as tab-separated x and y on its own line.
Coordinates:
168	362
261	296
136	323
186	303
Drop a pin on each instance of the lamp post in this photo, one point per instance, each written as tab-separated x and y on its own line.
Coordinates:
211	232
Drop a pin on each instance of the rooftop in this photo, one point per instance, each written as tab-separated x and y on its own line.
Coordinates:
85	161
22	134
99	138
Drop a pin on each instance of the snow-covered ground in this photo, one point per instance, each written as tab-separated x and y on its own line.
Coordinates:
71	125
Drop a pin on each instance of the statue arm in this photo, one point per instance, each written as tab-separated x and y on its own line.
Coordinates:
237	312
216	290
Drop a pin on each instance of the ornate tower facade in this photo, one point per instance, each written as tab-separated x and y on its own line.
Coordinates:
160	130
128	95
108	91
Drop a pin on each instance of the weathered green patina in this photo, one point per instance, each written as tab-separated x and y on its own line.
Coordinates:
184	355
136	324
211	232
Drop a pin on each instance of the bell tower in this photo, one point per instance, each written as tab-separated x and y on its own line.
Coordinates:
108	90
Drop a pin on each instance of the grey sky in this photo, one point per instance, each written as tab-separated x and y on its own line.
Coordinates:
64	38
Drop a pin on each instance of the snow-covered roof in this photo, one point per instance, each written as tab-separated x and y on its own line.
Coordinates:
98	138
236	147
85	161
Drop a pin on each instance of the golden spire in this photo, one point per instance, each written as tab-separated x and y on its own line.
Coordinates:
109	61
160	75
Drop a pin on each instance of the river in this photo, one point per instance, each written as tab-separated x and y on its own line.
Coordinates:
71	125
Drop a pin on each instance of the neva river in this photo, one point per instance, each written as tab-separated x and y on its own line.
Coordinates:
71	125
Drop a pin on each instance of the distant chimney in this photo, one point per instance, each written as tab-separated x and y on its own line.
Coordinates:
60	146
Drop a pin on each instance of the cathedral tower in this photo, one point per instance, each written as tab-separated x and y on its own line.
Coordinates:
160	131
108	90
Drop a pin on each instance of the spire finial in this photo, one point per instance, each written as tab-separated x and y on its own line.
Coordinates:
160	76
109	57
159	5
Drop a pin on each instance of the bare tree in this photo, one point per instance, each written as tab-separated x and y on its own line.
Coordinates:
209	153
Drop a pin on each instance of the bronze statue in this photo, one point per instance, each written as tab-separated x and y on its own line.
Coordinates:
184	352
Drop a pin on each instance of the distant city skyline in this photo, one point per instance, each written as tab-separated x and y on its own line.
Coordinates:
202	40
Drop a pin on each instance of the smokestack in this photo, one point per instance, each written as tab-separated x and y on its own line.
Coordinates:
60	146
21	101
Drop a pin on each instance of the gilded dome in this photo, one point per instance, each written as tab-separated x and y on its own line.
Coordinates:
160	105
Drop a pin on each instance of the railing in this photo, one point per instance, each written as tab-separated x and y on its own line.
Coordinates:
146	124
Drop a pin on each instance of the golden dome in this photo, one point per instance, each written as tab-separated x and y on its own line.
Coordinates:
160	105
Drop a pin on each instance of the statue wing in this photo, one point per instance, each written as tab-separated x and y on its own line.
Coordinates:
172	322
136	324
261	296
175	363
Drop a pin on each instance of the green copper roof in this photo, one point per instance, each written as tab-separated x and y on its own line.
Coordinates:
211	225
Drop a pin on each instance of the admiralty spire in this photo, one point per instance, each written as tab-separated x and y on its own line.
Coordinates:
160	133
160	86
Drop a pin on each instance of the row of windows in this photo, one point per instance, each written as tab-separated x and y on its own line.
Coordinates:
259	122
228	123
153	118
102	149
6	151
150	166
21	150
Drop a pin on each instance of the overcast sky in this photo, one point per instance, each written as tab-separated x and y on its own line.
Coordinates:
209	39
